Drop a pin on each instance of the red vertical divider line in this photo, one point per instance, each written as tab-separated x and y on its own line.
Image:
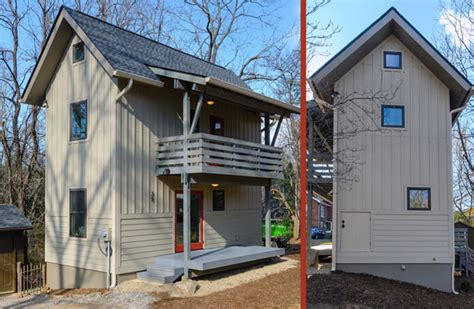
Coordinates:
303	154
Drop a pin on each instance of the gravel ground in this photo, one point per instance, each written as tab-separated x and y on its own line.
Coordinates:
139	294
345	290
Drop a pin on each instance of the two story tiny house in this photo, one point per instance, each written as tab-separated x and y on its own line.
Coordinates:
151	152
394	98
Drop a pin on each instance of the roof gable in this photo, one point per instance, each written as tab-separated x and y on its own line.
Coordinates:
391	23
112	46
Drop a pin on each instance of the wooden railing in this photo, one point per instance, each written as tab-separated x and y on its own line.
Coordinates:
30	278
206	153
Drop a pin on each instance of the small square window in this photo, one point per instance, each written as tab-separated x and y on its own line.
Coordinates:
419	199
392	60
77	52
78	125
77	213
393	116
218	200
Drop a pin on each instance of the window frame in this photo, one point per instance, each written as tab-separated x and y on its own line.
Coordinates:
386	52
402	107
78	139
74	60
419	188
213	200
85	212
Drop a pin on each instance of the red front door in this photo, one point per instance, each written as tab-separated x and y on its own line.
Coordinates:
197	220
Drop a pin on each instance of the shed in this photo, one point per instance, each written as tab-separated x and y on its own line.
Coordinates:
12	245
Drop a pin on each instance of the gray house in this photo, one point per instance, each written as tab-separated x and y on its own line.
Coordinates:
394	98
155	161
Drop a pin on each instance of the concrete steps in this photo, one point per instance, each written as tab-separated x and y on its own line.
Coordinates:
160	273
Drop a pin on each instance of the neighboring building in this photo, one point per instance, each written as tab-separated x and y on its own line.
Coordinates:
13	225
395	98
150	149
321	214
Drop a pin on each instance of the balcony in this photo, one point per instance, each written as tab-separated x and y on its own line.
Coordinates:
211	154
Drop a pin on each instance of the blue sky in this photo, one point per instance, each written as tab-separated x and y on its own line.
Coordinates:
354	16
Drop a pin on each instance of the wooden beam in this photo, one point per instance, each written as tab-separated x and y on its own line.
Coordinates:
268	214
198	111
277	130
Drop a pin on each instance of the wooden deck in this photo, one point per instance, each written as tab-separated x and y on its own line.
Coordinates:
168	268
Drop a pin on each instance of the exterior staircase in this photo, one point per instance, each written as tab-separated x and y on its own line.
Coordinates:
161	272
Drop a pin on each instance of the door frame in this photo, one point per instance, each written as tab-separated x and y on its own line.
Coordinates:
196	245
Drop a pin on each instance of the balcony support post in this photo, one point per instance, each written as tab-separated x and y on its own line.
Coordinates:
186	185
268	216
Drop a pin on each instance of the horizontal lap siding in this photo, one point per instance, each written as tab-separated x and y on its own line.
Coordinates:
73	251
142	239
86	164
382	163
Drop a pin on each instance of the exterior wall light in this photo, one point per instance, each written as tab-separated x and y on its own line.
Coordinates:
210	102
215	185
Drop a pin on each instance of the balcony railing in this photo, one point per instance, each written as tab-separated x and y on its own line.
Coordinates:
211	154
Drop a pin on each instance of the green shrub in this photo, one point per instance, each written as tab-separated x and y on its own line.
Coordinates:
466	285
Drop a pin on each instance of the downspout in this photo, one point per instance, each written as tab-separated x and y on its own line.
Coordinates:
451	113
112	273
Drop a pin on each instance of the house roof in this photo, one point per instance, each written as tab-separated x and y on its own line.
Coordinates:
124	54
392	23
12	219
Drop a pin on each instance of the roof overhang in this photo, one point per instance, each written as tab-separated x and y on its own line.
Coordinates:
221	89
391	23
62	31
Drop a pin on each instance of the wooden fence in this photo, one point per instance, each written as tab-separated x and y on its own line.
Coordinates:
30	278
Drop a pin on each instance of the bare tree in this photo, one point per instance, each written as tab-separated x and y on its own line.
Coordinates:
457	44
318	34
286	66
224	32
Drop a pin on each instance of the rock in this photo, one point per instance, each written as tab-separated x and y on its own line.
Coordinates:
187	287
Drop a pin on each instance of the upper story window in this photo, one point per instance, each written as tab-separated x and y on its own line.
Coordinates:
419	199
78	121
392	60
77	213
216	125
393	116
78	52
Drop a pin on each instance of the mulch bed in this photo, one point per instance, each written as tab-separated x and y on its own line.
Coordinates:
345	290
274	291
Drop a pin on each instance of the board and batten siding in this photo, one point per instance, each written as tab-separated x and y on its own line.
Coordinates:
382	162
84	164
144	115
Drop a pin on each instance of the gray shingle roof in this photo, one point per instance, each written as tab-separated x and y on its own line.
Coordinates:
12	219
133	53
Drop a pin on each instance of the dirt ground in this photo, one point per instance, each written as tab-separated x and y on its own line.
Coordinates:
277	290
344	290
268	285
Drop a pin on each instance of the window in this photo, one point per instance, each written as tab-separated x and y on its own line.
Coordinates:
78	120
393	116
218	200
77	213
78	52
419	199
321	211
392	60
217	125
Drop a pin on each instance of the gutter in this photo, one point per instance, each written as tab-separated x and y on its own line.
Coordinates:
138	78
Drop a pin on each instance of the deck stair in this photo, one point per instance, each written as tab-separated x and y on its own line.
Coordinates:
161	272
